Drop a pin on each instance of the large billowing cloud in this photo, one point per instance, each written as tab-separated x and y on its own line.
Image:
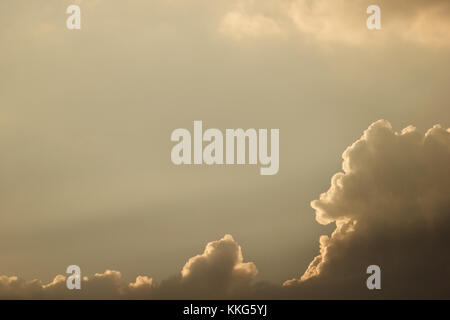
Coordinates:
341	21
391	207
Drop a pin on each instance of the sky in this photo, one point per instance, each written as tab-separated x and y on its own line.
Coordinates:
85	123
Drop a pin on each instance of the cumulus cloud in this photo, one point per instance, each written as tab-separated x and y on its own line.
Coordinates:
341	21
219	269
391	207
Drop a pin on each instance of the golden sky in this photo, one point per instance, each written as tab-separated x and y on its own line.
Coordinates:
86	117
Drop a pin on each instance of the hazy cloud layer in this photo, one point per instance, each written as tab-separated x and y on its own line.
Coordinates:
341	21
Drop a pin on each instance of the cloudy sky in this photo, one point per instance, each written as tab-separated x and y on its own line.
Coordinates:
86	177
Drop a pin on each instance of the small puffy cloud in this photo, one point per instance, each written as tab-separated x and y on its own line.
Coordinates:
219	270
391	207
141	282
